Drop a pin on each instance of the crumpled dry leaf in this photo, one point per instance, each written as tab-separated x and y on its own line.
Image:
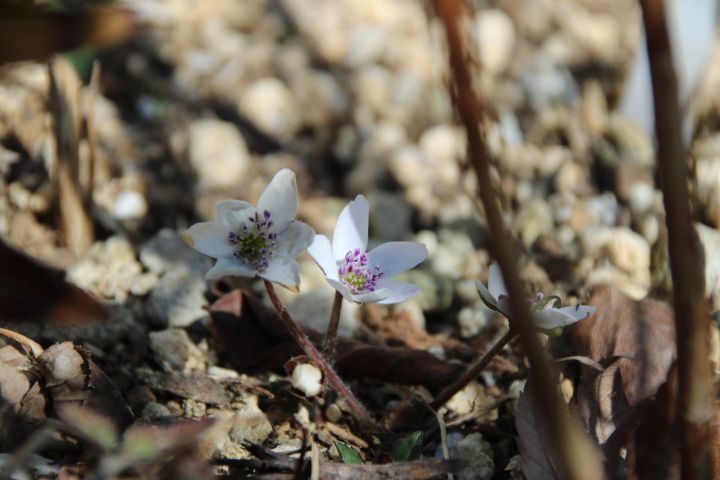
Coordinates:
196	386
643	332
252	336
71	377
537	463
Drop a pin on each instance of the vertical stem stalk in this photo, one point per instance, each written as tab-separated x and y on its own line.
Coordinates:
331	377
471	372
577	459
328	346
696	389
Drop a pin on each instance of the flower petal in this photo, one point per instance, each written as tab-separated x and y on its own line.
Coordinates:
321	251
397	257
346	293
485	294
578	312
399	291
280	198
296	238
372	297
229	267
233	214
351	230
554	317
285	271
209	238
496	284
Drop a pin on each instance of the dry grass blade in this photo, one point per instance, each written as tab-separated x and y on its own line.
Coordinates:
696	389
66	106
579	460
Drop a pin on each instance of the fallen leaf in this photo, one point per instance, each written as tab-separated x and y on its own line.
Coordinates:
408	447
71	377
533	441
31	291
643	332
251	335
196	386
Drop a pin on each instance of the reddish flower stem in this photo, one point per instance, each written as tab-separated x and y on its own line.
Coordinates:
328	346
331	377
472	372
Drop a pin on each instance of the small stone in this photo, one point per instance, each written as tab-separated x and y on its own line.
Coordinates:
154	410
452	254
178	299
534	220
218	154
436	290
496	39
472	398
250	424
194	409
710	240
478	454
173	350
129	205
167	251
622	258
270	106
391	218
312	309
473	320
110	270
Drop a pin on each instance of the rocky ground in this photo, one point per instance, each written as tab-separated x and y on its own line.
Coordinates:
205	102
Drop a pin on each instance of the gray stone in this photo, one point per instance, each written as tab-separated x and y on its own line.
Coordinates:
167	251
173	350
178	299
477	452
391	216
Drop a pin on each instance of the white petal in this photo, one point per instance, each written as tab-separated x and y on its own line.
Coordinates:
294	240
321	251
346	293
234	214
496	284
485	294
397	257
281	270
578	312
351	230
555	317
230	267
372	297
280	198
399	291
209	238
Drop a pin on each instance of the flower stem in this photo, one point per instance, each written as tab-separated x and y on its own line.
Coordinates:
331	377
328	346
471	372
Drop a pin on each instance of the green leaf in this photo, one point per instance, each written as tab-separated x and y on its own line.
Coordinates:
349	454
407	448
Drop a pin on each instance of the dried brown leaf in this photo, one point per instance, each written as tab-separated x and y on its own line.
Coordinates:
252	336
641	331
31	291
195	386
533	439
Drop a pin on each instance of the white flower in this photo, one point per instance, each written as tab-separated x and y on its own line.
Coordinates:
249	241
545	315
361	276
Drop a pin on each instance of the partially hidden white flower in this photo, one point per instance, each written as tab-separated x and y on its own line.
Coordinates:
361	276
249	241
544	314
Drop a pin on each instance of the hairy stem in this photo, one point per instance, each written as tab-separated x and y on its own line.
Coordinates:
331	377
576	458
696	390
328	346
471	372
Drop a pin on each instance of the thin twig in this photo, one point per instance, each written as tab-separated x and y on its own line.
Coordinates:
577	459
331	377
695	381
328	346
448	392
